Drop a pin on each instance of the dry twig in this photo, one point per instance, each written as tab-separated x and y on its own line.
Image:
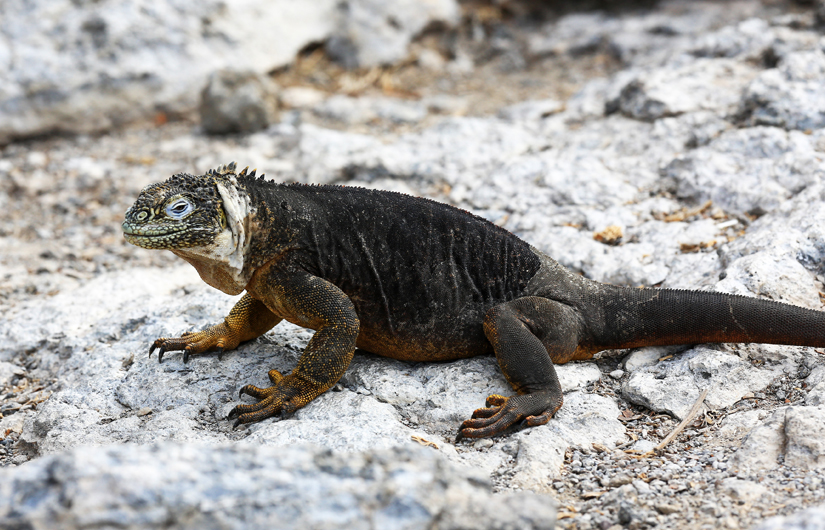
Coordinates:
689	418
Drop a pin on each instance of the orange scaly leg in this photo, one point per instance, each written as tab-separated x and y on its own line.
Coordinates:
249	319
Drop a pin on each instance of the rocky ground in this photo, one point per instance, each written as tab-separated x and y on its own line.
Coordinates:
679	146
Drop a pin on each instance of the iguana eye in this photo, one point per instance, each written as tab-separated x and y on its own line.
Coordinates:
178	208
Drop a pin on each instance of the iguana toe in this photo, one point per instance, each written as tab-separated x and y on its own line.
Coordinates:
191	343
254	391
253	412
535	408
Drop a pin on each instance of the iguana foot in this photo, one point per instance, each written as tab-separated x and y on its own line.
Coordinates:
216	338
249	319
501	412
272	402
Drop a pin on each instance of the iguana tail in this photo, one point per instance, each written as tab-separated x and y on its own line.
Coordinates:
656	317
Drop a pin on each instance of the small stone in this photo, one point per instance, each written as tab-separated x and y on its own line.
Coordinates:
431	60
612	235
445	104
642	487
742	490
667	509
10	408
510	447
144	411
237	102
531	110
127	361
37	158
729	522
643	446
300	97
617	374
620	480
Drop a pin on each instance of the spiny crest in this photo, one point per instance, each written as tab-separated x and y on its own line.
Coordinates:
251	174
223	169
231	169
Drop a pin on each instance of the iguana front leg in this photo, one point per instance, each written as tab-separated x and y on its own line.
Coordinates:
314	303
249	319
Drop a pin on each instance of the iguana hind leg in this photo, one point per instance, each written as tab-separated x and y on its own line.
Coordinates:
527	334
249	319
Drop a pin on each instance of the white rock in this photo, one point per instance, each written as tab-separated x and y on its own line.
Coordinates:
431	60
87	67
584	419
795	432
245	486
674	386
642	446
353	111
299	97
790	95
746	170
372	32
742	490
8	372
649	356
809	519
235	101
705	84
780	278
739	423
369	425
531	110
816	395
577	375
805	437
762	447
816	376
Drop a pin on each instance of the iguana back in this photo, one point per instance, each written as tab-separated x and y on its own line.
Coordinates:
413	269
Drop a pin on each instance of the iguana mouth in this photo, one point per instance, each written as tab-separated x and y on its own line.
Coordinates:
150	238
132	230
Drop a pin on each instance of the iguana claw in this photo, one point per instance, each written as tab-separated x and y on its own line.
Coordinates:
160	346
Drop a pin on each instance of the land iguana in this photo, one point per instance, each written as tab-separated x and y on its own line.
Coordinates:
417	280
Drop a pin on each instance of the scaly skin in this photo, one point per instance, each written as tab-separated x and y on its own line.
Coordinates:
413	279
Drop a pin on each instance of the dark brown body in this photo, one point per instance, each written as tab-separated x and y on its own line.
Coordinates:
420	274
414	279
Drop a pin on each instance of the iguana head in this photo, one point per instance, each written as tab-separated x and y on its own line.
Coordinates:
182	212
202	218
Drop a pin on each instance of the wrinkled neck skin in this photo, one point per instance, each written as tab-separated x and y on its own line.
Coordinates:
222	264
